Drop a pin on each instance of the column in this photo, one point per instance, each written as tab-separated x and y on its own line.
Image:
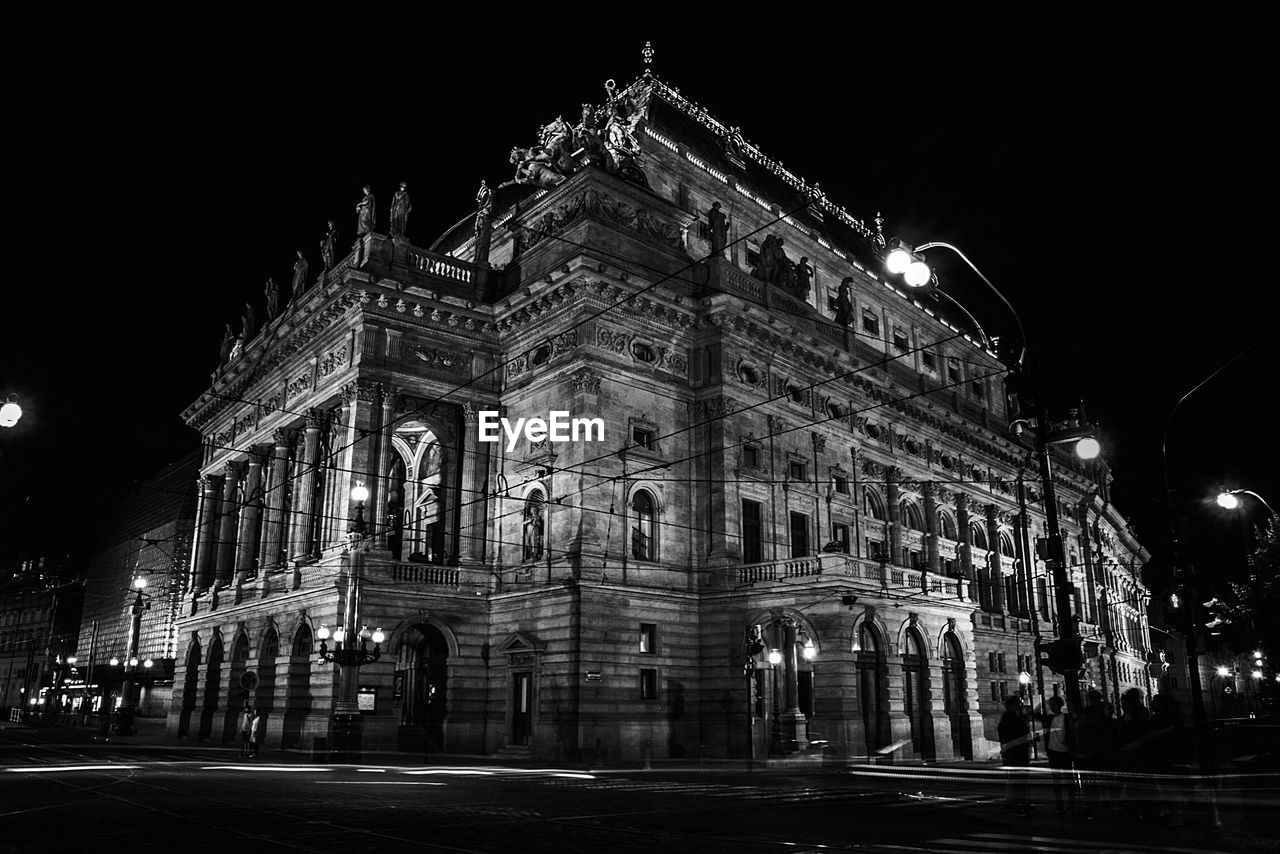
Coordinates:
931	528
382	495
250	518
273	527
357	461
475	465
993	560
791	719
202	556
962	531
895	514
228	518
304	492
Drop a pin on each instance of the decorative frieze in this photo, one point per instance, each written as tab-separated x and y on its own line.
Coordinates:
585	381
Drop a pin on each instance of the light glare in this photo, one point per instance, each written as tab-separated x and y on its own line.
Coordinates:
9	414
918	274
898	261
360	493
1088	448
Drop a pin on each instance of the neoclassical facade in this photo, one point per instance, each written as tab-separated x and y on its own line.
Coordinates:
802	522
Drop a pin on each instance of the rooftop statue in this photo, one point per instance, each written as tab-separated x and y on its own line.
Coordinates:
588	138
484	205
248	322
534	166
400	207
272	292
366	216
329	245
228	344
299	274
557	141
773	266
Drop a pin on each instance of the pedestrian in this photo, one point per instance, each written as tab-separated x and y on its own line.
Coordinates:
255	731
1058	742
1170	754
1095	744
246	729
1015	752
1135	744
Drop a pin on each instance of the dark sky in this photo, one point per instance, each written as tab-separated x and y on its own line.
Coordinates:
1096	183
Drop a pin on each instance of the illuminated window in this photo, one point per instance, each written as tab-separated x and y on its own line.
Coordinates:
644	534
648	638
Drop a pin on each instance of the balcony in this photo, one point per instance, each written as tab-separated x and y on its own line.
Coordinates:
866	574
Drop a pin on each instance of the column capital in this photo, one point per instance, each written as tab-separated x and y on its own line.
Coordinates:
470	414
210	481
258	454
316	419
387	395
235	470
282	437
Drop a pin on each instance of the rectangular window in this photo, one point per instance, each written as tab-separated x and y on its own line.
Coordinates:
642	437
648	638
751	456
953	370
900	339
1000	662
840	533
799	535
995	692
649	684
842	484
930	361
991	662
751	532
875	548
976	388
949	567
870	323
1004	689
798	471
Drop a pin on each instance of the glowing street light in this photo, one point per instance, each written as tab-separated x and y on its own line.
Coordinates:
10	412
1224	670
775	657
1088	448
1229	499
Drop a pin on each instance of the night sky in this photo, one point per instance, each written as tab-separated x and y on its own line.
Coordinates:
1095	185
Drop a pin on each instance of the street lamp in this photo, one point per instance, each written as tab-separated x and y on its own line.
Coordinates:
1229	499
1069	658
10	412
350	649
128	690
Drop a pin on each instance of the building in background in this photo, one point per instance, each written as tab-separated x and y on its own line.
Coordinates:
40	602
802	523
147	535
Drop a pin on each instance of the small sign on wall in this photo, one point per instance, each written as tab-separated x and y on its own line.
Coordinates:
367	699
595	676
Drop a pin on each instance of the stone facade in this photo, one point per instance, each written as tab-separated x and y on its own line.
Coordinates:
770	481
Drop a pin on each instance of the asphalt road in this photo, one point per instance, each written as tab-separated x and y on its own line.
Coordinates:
116	797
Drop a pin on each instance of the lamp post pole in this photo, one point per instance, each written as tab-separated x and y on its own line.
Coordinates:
128	690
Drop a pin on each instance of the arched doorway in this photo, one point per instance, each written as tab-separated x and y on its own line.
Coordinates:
421	687
297	696
954	699
190	685
872	688
915	695
237	697
212	683
265	695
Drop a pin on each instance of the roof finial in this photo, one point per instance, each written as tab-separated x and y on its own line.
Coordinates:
647	53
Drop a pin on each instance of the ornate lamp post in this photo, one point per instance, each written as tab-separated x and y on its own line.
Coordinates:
1066	655
350	649
129	690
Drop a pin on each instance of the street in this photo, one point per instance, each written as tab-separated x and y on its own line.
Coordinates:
95	797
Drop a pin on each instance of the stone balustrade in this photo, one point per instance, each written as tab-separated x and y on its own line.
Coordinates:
840	566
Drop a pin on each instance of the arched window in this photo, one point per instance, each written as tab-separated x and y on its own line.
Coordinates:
911	517
302	641
1006	545
915	668
946	525
644	531
952	676
270	646
977	535
240	649
534	525
874	504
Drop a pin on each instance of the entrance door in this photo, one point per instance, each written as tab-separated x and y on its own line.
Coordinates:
916	699
422	671
954	699
521	708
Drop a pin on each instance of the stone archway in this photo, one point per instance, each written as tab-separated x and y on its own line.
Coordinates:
297	694
916	699
237	697
212	683
190	685
955	700
421	687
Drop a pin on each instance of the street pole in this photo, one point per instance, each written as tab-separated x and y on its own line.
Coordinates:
128	698
1068	630
1028	565
346	708
86	704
